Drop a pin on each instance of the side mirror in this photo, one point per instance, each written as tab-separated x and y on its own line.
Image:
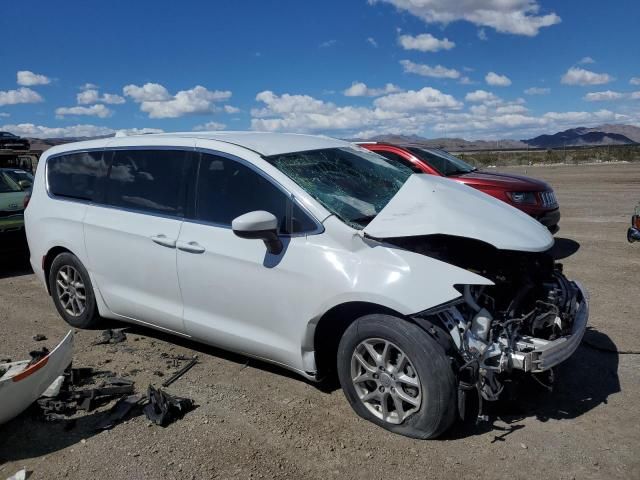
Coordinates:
259	225
24	184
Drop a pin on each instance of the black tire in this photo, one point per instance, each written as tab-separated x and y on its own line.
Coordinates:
437	410
89	317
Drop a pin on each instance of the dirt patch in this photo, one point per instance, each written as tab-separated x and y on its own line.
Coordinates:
257	421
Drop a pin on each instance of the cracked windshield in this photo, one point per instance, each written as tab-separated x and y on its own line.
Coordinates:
353	184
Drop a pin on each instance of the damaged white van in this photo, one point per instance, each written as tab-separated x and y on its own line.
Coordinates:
310	253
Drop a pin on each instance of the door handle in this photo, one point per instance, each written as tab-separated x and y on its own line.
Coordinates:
191	247
162	239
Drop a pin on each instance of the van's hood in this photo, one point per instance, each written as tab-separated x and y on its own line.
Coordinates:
430	205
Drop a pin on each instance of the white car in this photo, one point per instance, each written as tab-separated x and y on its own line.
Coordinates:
311	253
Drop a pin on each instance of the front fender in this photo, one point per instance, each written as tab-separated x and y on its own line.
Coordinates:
398	279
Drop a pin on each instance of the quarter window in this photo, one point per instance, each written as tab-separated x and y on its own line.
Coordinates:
76	175
148	180
227	189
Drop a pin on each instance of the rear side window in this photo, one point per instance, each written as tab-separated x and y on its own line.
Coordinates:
148	180
227	189
76	175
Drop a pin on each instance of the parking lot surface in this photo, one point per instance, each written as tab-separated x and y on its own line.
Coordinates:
254	420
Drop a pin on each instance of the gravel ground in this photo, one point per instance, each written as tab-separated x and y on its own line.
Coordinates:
258	421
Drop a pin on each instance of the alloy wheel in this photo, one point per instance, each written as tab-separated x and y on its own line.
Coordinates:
71	291
385	380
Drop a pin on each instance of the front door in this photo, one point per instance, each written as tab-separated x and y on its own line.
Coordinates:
237	295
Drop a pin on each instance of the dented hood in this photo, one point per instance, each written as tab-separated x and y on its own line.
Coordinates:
430	205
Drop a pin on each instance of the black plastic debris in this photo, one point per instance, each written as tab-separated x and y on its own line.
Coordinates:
110	336
69	401
39	337
120	410
180	372
164	408
37	355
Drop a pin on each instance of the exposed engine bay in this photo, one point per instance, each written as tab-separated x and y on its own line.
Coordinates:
532	319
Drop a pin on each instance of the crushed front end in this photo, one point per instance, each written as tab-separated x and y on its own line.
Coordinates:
529	321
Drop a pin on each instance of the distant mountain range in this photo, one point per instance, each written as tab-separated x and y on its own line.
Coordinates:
607	134
575	137
579	137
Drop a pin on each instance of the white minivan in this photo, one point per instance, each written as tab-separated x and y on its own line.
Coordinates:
311	253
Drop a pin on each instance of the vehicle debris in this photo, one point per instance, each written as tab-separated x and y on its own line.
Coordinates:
39	337
120	410
180	372
21	475
69	402
164	408
110	336
23	382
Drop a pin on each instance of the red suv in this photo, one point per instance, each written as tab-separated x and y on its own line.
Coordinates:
532	196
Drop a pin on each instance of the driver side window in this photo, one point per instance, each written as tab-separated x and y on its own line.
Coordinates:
227	189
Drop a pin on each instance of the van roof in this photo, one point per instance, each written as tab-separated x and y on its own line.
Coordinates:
263	143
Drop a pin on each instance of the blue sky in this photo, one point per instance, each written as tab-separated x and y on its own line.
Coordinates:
472	69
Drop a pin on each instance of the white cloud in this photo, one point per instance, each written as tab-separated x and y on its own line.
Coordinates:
149	92
511	108
39	131
89	86
465	81
425	42
580	76
231	109
607	95
155	100
4	114
359	89
537	91
482	34
520	17
93	111
480	96
90	96
496	80
328	43
29	79
635	95
395	113
634	81
372	41
21	95
209	126
424	99
586	60
427	71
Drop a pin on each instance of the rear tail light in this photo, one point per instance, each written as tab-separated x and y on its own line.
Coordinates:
635	221
27	198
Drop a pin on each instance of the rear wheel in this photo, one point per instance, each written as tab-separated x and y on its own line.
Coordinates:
73	296
396	376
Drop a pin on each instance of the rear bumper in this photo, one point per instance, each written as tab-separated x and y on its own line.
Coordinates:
538	355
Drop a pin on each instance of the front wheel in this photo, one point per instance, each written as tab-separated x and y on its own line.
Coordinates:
73	296
396	376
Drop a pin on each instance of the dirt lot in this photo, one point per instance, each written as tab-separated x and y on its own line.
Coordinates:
257	421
